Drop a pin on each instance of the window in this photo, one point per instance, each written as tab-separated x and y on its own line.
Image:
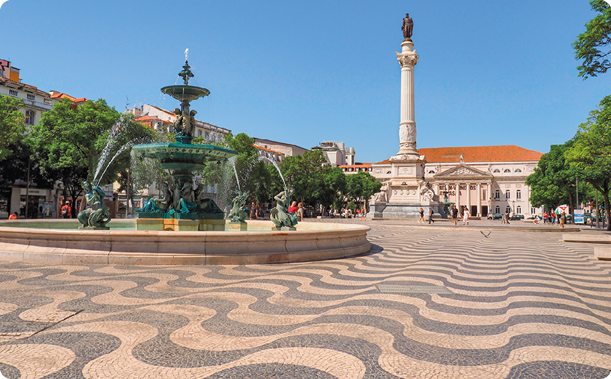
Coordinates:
29	117
518	170
533	211
507	171
370	169
497	209
508	194
508	209
497	194
47	101
344	169
432	172
13	92
31	97
484	195
388	173
496	171
350	169
519	210
518	195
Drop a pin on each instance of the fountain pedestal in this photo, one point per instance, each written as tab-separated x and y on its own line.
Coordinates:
237	226
182	225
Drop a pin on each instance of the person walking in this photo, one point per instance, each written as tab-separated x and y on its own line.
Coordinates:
431	215
544	217
300	211
562	220
421	219
454	215
66	211
507	217
465	216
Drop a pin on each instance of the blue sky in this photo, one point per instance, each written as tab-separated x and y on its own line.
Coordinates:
490	72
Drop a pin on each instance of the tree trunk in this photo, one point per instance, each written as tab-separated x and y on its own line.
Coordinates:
570	201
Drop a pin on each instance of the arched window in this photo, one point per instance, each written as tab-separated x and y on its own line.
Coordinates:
508	194
496	171
497	209
519	210
518	195
497	194
518	170
507	171
508	209
388	173
432	172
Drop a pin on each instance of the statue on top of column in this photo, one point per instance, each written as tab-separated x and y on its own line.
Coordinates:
408	27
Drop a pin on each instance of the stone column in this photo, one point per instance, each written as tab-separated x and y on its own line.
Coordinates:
489	184
457	190
407	128
479	199
469	197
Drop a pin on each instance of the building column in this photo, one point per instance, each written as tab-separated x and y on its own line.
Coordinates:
457	186
479	199
490	209
469	197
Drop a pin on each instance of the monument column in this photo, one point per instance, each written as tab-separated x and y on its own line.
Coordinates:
407	128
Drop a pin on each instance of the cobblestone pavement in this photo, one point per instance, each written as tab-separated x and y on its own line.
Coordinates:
424	303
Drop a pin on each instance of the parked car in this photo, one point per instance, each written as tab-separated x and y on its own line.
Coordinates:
497	216
517	217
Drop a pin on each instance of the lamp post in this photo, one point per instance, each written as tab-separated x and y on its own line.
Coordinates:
513	208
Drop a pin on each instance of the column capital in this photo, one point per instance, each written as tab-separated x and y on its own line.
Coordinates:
407	60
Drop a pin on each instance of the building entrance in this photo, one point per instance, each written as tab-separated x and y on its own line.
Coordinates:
484	211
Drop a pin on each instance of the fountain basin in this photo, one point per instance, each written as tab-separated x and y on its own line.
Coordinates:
59	245
185	92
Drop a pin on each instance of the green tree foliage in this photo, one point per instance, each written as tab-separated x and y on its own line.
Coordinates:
362	185
591	151
69	140
12	127
305	174
553	181
334	188
592	46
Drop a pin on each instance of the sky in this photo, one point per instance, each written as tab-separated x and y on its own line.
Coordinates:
489	73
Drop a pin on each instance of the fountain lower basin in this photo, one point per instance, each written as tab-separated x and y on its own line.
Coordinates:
53	243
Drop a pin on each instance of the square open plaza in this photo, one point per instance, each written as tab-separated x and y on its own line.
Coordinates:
173	249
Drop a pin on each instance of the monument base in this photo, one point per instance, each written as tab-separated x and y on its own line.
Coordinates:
403	211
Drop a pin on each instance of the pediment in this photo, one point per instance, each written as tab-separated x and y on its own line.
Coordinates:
463	171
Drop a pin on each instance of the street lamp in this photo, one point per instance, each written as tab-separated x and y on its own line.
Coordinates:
513	209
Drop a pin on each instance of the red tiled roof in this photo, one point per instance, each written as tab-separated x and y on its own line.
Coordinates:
266	149
358	164
503	153
59	95
146	118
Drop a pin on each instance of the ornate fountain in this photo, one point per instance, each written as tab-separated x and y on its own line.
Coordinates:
182	207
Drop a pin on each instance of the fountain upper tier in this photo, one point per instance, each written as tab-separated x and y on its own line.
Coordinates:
183	92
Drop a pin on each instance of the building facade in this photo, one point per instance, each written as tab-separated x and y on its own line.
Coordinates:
483	178
161	120
337	153
286	149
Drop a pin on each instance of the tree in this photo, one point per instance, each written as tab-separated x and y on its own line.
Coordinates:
362	185
70	139
334	188
12	127
597	37
553	181
305	174
591	152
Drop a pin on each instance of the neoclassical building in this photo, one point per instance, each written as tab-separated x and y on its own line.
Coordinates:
484	178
